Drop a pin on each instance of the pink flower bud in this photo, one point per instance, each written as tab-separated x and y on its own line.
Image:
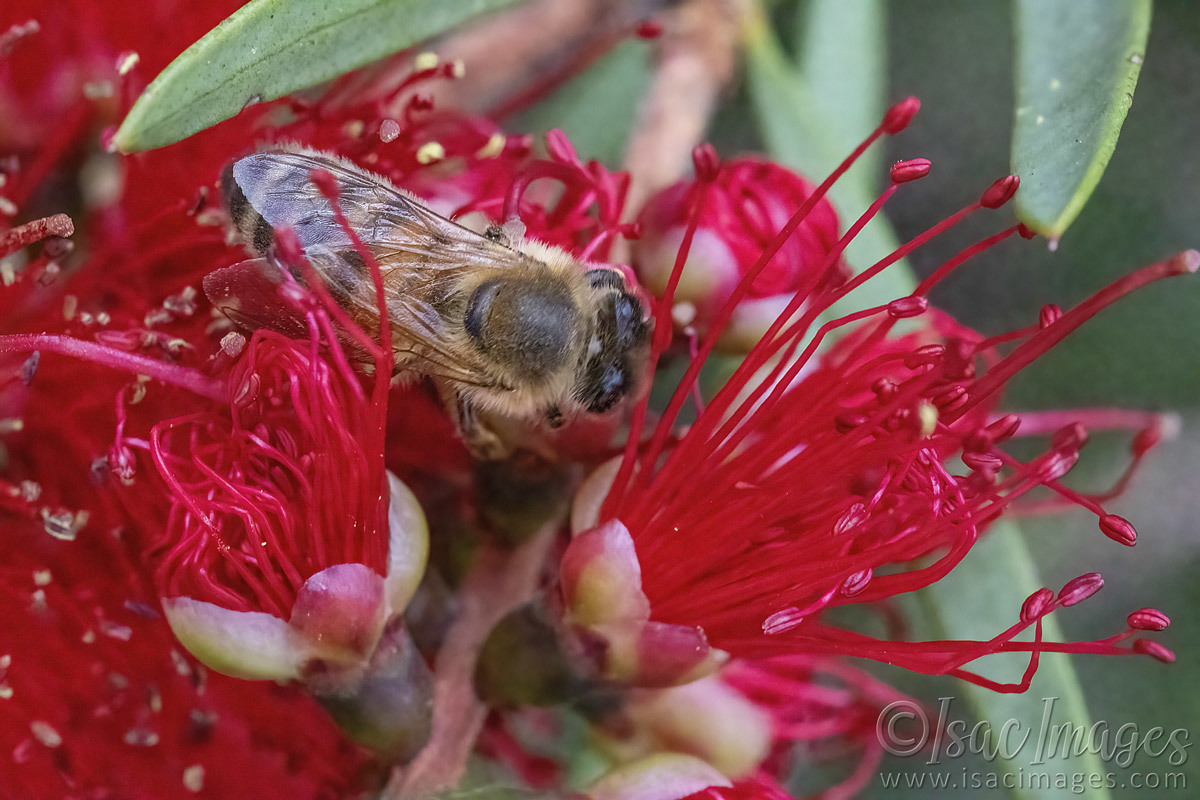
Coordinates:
951	399
601	578
340	612
1073	437
1057	463
924	356
664	776
983	462
656	654
1164	427
1186	262
746	203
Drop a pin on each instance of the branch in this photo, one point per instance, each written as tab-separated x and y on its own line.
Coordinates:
500	581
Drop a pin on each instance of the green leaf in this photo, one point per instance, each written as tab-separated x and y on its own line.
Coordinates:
982	596
1077	66
270	48
842	50
796	128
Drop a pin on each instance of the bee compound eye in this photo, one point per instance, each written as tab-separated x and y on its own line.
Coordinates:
627	319
603	385
603	277
479	308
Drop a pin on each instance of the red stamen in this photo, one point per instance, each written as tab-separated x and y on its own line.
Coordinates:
23	235
171	374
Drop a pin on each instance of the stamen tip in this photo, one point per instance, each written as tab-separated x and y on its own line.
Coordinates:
1154	650
1079	589
1000	192
906	307
910	170
1118	529
1148	619
1186	262
900	115
1049	315
706	162
560	148
649	29
1170	424
1036	605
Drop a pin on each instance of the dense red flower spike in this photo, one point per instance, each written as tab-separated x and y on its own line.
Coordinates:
817	481
99	700
286	482
98	696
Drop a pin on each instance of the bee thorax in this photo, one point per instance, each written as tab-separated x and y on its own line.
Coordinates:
525	326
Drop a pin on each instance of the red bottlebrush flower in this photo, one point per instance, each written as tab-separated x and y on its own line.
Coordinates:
242	482
819	481
287	480
756	789
737	216
100	701
279	506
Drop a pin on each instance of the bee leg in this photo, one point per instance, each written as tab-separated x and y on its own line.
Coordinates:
481	440
554	417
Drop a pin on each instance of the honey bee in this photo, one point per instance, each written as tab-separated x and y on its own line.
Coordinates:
517	329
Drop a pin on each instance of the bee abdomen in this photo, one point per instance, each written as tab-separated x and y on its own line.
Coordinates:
254	231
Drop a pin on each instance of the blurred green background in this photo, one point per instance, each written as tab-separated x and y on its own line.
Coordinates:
958	57
1143	353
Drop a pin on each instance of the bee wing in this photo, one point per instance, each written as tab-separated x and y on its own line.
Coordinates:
394	226
248	293
422	254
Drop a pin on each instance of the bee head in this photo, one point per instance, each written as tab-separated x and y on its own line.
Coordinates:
616	351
